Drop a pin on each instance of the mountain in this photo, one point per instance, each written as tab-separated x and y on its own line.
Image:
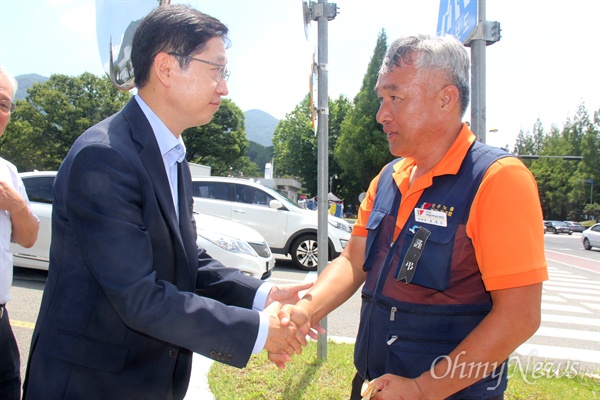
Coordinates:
260	127
25	82
259	124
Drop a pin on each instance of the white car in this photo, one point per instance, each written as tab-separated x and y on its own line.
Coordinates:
233	244
591	237
287	228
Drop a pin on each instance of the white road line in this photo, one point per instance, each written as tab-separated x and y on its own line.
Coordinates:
581	297
564	289
591	285
567	334
565	308
567	319
562	353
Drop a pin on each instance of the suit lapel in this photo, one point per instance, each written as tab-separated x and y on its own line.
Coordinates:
151	158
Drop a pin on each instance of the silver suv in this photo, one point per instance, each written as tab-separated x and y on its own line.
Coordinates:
287	228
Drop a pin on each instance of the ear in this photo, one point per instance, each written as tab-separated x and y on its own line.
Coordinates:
163	68
449	99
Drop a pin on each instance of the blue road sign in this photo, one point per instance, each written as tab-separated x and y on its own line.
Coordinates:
458	18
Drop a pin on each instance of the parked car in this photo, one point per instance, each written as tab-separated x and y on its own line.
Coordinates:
575	226
233	244
591	237
287	228
557	227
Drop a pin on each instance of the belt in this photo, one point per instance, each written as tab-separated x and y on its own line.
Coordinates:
2	310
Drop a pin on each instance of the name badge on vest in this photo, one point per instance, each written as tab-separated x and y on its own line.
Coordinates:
431	217
409	265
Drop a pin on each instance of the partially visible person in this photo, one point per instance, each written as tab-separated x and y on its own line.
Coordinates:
18	225
129	295
448	244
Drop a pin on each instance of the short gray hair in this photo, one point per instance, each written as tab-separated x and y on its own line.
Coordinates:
441	53
11	80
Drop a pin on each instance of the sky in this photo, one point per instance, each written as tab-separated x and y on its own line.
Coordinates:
546	64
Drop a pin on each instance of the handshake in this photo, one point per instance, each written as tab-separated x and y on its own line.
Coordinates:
289	324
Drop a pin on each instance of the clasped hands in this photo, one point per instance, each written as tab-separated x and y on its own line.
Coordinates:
288	324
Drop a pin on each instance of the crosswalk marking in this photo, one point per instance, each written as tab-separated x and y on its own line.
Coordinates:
567	319
565	308
575	290
581	297
567	333
570	305
563	353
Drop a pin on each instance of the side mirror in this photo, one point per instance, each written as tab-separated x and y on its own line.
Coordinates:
275	204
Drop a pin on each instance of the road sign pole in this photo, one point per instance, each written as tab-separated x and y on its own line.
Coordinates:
323	159
322	12
478	93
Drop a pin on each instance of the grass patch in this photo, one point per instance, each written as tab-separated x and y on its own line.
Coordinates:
306	377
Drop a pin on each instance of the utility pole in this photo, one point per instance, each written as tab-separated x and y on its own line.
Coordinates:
322	12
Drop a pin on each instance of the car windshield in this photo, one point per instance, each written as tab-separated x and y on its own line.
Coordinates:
287	202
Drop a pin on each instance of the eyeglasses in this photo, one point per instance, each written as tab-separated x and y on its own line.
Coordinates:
7	106
222	73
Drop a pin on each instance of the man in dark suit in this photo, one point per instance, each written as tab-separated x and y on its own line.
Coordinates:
129	296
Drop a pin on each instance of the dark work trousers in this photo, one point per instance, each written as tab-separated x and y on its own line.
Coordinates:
10	363
357	386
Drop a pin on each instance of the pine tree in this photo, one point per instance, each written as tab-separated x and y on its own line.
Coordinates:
362	149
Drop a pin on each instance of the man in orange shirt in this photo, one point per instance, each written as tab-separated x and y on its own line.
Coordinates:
448	295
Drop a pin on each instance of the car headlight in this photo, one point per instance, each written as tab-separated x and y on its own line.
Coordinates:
228	243
341	226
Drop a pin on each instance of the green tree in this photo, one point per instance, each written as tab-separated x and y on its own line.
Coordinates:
563	184
259	154
53	115
295	142
220	143
362	149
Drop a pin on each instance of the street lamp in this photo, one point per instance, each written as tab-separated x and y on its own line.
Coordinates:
331	178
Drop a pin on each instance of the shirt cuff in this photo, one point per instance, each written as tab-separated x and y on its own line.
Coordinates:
263	333
260	298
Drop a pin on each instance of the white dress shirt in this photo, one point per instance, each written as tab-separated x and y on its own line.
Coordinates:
172	150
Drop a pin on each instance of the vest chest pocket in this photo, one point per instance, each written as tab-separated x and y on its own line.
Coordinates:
433	269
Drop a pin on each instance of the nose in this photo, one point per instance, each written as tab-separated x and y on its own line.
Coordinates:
222	88
383	115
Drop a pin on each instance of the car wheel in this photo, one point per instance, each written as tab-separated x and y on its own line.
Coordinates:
556	231
570	233
305	252
586	244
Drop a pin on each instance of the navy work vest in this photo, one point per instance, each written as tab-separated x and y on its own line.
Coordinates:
406	328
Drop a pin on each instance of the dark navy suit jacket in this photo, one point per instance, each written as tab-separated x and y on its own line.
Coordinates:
129	295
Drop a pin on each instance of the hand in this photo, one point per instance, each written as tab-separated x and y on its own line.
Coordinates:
394	387
10	199
287	294
284	338
299	317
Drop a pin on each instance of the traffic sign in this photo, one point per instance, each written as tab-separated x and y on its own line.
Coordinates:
458	18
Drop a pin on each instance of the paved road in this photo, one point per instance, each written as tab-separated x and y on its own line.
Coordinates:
570	330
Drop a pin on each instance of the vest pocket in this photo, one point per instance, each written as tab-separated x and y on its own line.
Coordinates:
411	356
433	269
